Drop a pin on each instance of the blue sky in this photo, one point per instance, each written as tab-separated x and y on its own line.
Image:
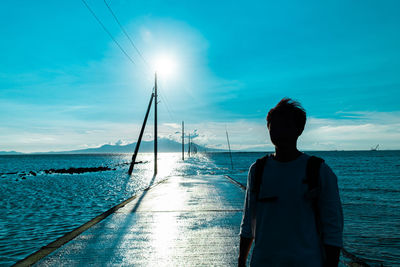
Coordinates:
64	84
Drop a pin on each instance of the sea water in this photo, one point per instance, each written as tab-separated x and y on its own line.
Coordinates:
36	210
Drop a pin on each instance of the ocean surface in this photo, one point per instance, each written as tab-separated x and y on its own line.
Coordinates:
38	207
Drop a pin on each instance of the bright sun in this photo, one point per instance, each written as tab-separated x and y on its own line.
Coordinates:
165	65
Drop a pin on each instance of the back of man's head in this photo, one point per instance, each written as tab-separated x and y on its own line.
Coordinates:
290	109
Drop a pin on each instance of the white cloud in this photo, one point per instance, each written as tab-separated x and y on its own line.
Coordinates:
121	142
173	125
361	132
358	131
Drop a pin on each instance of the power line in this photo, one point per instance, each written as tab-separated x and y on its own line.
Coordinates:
108	32
126	34
115	41
164	102
165	105
168	106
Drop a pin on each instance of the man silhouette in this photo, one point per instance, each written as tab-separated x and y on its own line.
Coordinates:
287	228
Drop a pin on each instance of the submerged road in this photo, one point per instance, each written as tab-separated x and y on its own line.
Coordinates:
183	221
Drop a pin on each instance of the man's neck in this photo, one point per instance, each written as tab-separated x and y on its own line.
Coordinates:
286	154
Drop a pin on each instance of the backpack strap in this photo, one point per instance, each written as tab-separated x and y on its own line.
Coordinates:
312	172
314	187
259	169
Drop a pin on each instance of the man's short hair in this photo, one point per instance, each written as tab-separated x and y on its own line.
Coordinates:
289	107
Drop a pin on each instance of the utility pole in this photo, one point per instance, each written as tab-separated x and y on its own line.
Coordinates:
140	137
155	123
189	146
153	95
183	141
229	146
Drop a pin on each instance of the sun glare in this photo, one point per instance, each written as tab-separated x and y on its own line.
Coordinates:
165	65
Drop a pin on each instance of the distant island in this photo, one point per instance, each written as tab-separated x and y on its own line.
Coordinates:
164	145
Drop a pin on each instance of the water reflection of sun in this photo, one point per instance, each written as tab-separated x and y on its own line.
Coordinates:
167	164
164	234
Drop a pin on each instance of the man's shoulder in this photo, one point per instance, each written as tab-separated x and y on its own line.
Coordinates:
306	155
323	166
325	171
258	160
319	158
253	166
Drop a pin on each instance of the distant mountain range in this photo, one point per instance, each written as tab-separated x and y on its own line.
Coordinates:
164	145
10	153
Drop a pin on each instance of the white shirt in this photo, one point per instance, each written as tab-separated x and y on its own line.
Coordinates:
284	227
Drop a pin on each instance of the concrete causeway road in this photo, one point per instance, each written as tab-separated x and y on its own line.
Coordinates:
183	221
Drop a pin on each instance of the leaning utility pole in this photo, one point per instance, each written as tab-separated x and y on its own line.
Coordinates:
155	123
140	137
153	95
229	146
